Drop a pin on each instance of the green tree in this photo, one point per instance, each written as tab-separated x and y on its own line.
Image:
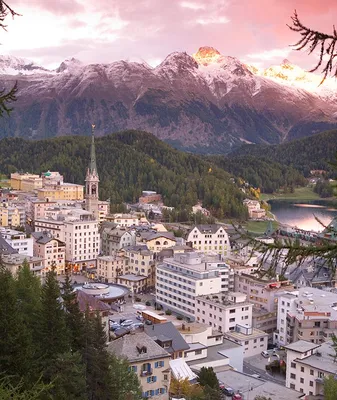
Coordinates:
330	388
15	341
124	382
9	391
52	331
73	316
184	388
208	380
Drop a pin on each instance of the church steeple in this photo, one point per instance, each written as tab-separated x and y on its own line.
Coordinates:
92	181
92	165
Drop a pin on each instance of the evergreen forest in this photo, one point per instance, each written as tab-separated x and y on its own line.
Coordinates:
50	350
131	161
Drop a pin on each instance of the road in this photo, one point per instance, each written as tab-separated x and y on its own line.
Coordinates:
250	370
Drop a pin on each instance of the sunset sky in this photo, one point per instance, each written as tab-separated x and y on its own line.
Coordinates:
255	31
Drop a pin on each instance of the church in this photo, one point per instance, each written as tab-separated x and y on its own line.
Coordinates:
97	207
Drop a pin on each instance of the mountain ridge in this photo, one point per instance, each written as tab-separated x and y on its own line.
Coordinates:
202	103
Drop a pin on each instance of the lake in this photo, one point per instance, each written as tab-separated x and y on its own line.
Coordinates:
302	215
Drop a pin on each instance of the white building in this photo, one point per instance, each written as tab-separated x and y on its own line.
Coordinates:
253	340
18	240
182	278
307	366
224	312
114	238
54	226
209	239
125	220
307	314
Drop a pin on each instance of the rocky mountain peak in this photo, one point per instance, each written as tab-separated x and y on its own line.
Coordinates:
207	55
69	64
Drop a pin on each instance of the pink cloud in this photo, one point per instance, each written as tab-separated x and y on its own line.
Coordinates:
151	29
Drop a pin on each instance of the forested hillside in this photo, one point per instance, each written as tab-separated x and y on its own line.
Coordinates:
261	173
314	152
129	162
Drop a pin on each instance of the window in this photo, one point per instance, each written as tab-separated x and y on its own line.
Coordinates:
292	386
232	311
302	369
231	319
311	383
311	372
134	368
197	352
292	376
301	380
246	342
293	365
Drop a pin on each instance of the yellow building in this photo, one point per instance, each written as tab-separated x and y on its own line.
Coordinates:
66	191
26	182
148	360
11	216
159	241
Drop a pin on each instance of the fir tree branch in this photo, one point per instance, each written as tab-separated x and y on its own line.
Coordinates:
312	40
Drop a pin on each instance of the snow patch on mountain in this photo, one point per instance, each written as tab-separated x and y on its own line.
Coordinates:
10	65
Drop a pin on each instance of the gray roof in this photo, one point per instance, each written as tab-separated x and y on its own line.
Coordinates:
155	235
129	346
44	237
6	248
212	228
170	332
301	346
321	359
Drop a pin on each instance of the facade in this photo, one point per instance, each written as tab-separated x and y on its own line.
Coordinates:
25	182
110	267
254	209
309	314
36	209
54	226
65	191
82	239
158	241
265	321
308	364
51	250
149	196
12	215
125	220
18	240
209	239
135	283
253	340
182	278
148	360
92	182
223	312
141	261
114	239
13	262
262	292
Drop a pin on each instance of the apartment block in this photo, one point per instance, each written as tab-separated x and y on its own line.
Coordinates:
110	267
141	262
13	262
223	312
261	291
25	182
65	191
209	239
148	360
18	240
185	276
253	340
125	220
114	238
12	214
309	314
308	364
51	250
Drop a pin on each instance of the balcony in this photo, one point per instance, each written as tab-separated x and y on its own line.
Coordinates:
147	372
319	380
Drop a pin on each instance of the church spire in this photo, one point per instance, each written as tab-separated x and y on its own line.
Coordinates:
92	165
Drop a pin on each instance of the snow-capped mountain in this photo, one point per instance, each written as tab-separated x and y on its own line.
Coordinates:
10	65
206	102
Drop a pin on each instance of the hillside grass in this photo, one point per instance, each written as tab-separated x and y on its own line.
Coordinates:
259	227
301	193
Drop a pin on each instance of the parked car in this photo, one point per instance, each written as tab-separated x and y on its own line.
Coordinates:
114	326
228	391
137	325
237	396
265	354
139	317
127	322
148	322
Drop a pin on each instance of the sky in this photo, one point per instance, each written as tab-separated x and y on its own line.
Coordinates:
103	31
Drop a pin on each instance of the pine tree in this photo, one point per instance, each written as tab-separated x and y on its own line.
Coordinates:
73	316
52	331
208	380
68	374
124	382
15	343
96	359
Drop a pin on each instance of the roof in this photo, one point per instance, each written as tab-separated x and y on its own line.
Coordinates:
86	301
132	277
151	236
137	347
256	333
321	359
181	370
44	237
213	228
301	346
170	332
6	248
